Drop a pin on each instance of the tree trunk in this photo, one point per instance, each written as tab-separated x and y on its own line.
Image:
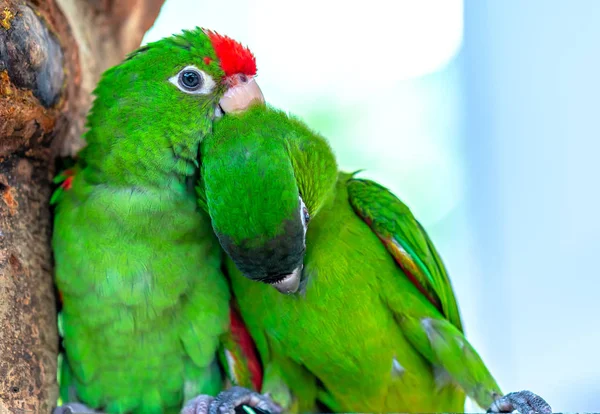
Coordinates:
52	53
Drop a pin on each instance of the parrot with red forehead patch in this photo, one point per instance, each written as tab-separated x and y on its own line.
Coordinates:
145	306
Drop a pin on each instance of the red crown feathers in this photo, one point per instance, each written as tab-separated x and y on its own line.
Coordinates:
234	57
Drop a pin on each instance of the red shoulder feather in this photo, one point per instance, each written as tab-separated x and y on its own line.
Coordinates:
244	340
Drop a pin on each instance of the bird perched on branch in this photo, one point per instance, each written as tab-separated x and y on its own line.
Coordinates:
145	305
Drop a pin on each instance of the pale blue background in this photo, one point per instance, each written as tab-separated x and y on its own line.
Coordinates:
484	118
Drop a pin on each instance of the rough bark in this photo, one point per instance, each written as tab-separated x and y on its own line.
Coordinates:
52	53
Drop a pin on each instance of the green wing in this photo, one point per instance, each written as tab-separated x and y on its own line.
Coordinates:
407	242
441	341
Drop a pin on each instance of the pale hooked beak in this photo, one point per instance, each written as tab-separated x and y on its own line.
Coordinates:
290	283
243	91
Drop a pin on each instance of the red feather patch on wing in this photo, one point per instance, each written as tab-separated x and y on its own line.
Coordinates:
234	57
244	340
403	259
68	183
406	263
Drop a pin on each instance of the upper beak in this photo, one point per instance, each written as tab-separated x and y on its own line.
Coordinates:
242	92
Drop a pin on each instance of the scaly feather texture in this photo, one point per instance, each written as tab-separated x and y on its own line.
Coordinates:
375	326
137	265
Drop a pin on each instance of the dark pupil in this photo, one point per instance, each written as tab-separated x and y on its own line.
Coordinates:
306	215
190	80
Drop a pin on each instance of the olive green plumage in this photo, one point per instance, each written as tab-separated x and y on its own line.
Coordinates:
144	300
375	325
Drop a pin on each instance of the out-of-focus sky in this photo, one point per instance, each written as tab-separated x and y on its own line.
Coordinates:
482	118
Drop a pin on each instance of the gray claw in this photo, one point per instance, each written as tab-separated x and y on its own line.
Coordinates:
198	405
228	400
525	402
73	408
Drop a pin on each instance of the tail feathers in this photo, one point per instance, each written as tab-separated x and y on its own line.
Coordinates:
444	345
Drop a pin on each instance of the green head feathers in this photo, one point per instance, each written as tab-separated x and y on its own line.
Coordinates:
263	176
152	110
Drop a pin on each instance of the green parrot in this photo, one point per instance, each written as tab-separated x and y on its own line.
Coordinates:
145	305
368	321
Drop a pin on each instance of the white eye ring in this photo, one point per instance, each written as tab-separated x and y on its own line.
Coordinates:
304	216
205	85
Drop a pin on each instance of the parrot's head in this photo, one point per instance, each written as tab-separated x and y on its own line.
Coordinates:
264	177
167	94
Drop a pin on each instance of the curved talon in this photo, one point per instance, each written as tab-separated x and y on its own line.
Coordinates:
227	402
525	402
198	405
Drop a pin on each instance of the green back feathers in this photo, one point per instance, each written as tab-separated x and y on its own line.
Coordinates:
314	163
407	242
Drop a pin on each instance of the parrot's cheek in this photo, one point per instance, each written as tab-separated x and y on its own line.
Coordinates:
290	283
238	98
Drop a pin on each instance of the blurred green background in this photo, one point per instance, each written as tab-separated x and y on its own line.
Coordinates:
482	117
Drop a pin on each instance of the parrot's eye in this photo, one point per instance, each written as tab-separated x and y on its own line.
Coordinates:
304	216
190	79
193	81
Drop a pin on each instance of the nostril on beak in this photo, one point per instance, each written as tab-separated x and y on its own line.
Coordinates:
237	79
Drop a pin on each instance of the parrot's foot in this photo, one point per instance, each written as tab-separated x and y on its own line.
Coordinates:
232	401
73	408
525	402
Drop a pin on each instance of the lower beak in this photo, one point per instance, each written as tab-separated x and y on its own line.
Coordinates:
238	98
290	283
